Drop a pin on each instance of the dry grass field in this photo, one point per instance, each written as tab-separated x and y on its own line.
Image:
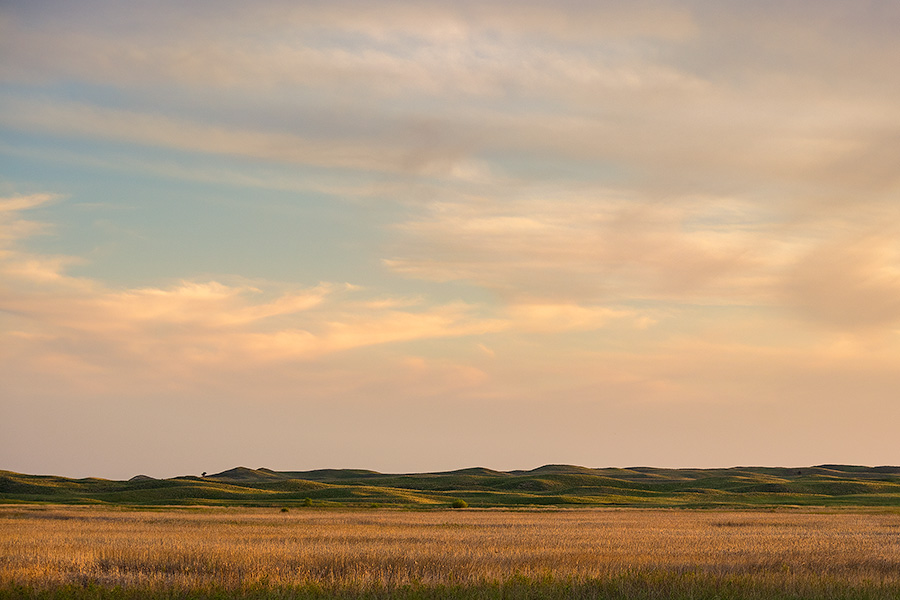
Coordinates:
90	552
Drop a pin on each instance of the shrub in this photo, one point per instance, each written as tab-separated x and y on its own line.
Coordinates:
459	503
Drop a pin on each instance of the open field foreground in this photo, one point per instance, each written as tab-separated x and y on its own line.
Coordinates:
93	552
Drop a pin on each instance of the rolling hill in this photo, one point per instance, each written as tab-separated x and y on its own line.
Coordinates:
546	486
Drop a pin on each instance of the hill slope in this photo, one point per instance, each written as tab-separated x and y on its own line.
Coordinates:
550	485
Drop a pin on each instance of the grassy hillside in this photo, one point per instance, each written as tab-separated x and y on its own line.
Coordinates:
550	485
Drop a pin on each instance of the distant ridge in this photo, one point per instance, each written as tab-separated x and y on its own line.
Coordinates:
555	485
245	474
856	468
626	473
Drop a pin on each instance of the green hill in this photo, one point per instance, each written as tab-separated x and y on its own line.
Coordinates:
549	485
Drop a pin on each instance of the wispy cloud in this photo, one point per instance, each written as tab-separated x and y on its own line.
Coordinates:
593	249
201	323
434	89
156	130
12	226
849	282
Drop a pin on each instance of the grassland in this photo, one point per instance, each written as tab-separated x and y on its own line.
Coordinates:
829	531
81	552
551	485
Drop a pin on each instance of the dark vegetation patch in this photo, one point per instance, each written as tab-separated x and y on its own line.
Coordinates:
639	586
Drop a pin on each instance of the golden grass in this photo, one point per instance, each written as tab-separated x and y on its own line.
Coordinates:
45	547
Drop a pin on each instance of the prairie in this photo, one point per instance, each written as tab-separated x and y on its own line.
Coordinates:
103	552
550	485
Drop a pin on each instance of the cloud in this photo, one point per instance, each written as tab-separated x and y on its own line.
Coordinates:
851	282
225	45
832	264
208	322
12	226
591	249
397	51
562	317
681	168
73	119
574	159
81	328
19	203
658	94
94	338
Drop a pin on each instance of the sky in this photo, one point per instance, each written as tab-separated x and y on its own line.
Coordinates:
421	236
